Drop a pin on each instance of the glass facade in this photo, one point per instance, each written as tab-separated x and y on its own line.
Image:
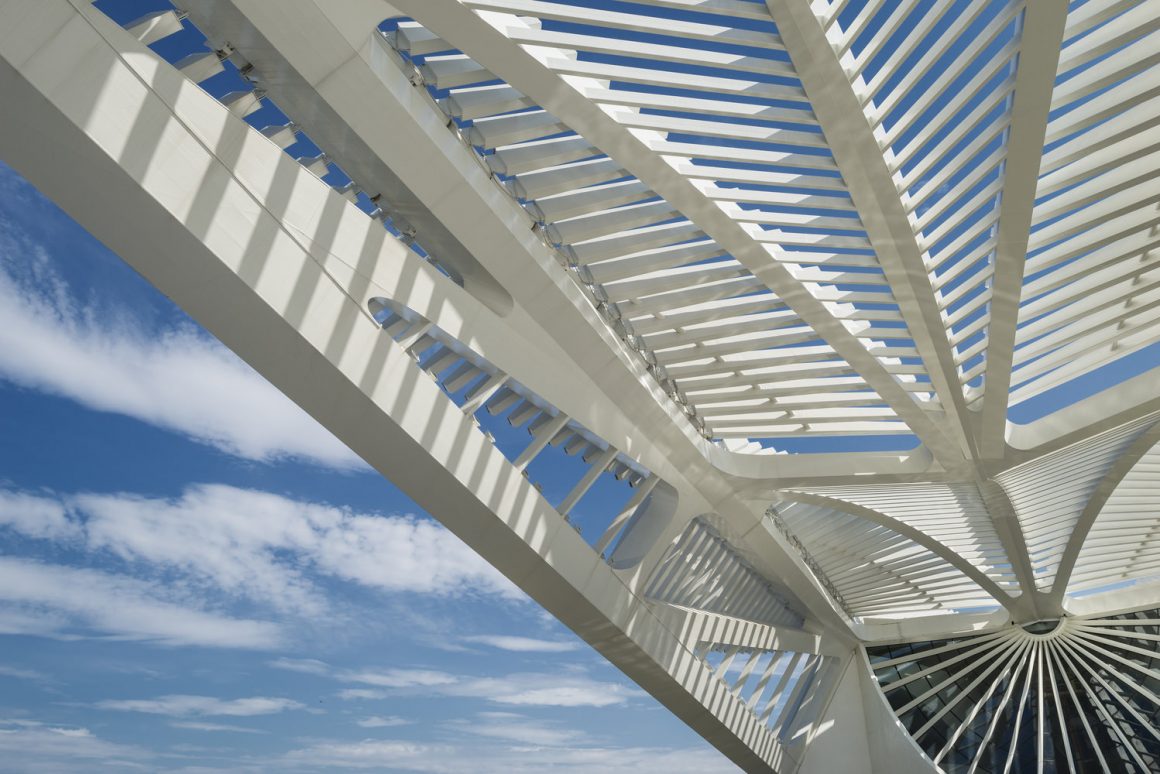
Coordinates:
1078	695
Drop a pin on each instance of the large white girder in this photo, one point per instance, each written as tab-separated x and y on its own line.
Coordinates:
1041	37
287	273
672	238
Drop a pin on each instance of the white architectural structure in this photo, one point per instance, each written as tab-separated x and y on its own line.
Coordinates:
730	254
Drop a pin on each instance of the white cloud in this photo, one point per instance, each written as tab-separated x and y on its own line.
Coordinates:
377	721
567	689
512	727
367	754
362	694
55	600
31	746
222	536
400	678
176	379
261	546
21	674
36	517
522	644
545	690
181	705
195	725
507	759
36	623
306	666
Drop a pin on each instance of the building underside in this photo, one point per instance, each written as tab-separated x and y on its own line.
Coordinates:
844	314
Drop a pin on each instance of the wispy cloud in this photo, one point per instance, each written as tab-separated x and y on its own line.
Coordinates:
399	678
182	705
27	745
521	758
177	378
306	666
377	721
267	548
367	754
21	674
35	516
55	600
513	727
544	690
362	694
196	725
568	688
522	644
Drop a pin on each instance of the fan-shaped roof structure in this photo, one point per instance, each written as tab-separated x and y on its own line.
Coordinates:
853	304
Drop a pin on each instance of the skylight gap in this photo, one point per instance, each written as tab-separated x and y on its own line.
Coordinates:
757	49
785	101
757	20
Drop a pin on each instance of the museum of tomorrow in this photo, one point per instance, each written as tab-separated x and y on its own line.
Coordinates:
845	313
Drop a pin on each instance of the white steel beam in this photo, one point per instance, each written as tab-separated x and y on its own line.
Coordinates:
239	235
320	60
873	188
325	74
1033	604
1041	37
464	29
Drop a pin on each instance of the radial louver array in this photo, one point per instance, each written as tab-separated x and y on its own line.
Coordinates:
1072	695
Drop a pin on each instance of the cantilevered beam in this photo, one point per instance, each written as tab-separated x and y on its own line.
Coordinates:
1042	35
463	28
212	213
875	194
332	72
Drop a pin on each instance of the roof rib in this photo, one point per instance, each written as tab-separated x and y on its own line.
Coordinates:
461	27
1043	25
872	185
1108	555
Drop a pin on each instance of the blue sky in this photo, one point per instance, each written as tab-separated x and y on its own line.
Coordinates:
195	576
